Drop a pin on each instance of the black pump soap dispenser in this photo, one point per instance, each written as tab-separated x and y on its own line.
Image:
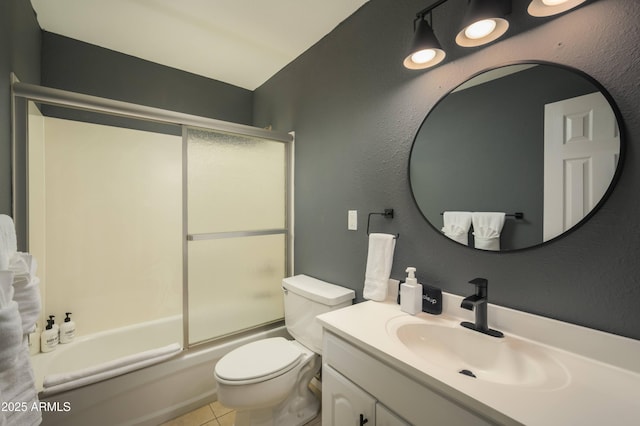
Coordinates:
67	329
49	337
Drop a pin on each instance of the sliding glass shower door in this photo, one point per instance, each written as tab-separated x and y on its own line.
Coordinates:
237	232
151	211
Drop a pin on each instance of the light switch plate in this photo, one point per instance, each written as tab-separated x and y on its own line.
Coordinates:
352	223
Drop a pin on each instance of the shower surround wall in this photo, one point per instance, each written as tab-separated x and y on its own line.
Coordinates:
105	221
356	110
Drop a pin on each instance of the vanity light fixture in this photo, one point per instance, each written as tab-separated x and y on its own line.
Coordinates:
542	8
484	21
425	49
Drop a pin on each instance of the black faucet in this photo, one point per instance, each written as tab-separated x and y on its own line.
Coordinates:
478	302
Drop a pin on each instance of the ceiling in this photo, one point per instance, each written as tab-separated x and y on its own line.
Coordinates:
240	42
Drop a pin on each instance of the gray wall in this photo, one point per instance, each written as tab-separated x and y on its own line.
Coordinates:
20	53
356	110
85	68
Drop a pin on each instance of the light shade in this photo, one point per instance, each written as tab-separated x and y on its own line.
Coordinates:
551	7
425	49
484	22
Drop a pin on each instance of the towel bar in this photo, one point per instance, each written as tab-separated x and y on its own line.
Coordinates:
516	215
388	213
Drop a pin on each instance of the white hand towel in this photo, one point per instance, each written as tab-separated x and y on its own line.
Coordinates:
456	226
379	263
8	240
487	227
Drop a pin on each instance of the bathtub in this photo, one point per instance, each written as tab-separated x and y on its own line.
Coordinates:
146	396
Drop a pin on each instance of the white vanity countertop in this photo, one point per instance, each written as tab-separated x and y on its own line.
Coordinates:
601	384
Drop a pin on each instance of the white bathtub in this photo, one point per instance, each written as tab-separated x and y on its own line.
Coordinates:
147	396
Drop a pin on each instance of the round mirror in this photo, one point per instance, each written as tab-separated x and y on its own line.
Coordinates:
516	156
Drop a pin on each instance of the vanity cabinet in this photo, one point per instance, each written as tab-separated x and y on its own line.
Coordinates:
356	383
345	404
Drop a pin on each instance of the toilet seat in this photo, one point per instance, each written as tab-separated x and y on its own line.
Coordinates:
258	361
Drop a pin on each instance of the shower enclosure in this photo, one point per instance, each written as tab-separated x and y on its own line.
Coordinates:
137	214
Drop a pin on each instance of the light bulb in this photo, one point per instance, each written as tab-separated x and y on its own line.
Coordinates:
480	29
553	2
423	56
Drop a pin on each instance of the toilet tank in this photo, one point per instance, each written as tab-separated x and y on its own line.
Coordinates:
304	299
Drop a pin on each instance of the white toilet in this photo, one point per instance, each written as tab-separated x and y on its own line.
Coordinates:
267	381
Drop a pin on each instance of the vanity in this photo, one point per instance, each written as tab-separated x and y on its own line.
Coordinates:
382	366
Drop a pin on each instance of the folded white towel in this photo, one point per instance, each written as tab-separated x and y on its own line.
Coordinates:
8	240
29	303
17	384
57	383
487	227
6	288
10	335
16	375
456	226
27	289
379	263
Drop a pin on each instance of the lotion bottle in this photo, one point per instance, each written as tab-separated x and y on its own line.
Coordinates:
67	329
49	338
411	293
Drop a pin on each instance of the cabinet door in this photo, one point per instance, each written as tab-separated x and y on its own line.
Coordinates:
384	417
343	403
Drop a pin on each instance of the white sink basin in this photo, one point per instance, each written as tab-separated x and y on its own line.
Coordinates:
507	361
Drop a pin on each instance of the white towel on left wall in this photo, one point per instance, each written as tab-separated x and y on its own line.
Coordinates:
8	241
27	289
379	263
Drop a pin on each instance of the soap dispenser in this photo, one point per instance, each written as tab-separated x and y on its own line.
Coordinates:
49	338
52	318
67	329
411	293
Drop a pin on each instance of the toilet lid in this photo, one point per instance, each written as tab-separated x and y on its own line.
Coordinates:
261	359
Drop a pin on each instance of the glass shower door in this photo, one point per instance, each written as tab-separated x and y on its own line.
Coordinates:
237	236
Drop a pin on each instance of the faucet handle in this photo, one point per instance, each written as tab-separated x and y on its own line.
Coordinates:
480	282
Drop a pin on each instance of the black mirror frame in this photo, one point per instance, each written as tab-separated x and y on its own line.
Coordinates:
588	216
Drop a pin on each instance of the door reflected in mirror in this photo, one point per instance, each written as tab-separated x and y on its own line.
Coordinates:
537	139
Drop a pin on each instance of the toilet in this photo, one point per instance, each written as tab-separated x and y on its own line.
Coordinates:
267	381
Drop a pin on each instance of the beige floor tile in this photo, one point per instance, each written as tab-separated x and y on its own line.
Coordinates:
219	409
194	418
227	419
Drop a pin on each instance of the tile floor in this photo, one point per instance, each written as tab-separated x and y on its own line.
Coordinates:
216	414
